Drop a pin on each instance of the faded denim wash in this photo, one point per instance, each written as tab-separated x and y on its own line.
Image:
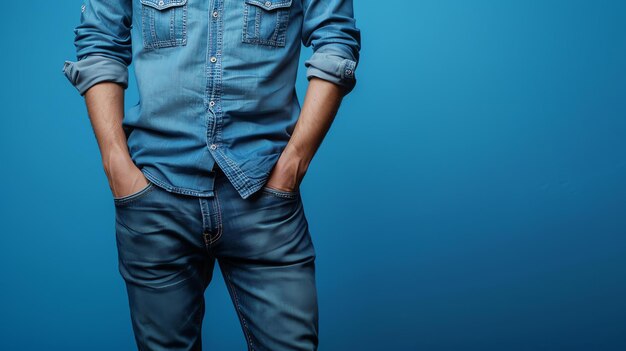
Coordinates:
216	79
168	244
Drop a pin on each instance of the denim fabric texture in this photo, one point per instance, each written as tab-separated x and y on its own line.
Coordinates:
168	244
216	79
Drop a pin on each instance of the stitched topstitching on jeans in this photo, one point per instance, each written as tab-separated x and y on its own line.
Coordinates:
240	313
217	209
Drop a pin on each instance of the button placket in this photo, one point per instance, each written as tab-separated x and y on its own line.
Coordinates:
215	76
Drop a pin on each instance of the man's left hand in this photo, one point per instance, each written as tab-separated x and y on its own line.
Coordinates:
288	172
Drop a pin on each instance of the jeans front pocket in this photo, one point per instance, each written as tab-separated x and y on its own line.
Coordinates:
164	23
134	196
265	22
280	193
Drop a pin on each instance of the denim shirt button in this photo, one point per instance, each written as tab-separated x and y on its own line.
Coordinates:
349	72
211	103
213	146
268	3
161	3
213	59
214	13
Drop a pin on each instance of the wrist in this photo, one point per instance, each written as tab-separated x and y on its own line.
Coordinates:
294	154
292	159
114	157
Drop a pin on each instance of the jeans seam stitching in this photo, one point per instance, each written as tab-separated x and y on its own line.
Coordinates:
239	313
135	196
278	193
217	208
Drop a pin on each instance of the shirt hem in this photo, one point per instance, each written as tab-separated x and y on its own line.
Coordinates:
175	189
244	185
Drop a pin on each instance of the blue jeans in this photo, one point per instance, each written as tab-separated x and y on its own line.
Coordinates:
167	247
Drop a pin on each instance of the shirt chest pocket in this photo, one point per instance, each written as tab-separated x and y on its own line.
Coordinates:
164	23
265	22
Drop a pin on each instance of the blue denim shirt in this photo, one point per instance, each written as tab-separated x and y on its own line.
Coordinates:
216	79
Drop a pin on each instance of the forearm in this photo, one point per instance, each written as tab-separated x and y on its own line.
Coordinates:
321	103
330	28
105	106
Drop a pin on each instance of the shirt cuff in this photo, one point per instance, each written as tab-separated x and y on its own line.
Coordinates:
333	67
83	74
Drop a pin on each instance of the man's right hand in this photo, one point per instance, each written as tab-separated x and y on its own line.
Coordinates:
125	178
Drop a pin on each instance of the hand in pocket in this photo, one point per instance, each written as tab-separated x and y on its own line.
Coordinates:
125	178
286	175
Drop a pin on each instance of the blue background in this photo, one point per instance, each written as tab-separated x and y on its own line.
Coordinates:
470	195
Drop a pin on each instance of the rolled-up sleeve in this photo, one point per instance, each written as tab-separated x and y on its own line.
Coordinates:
330	26
103	44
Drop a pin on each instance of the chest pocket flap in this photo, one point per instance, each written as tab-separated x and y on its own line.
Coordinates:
163	4
266	22
164	23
